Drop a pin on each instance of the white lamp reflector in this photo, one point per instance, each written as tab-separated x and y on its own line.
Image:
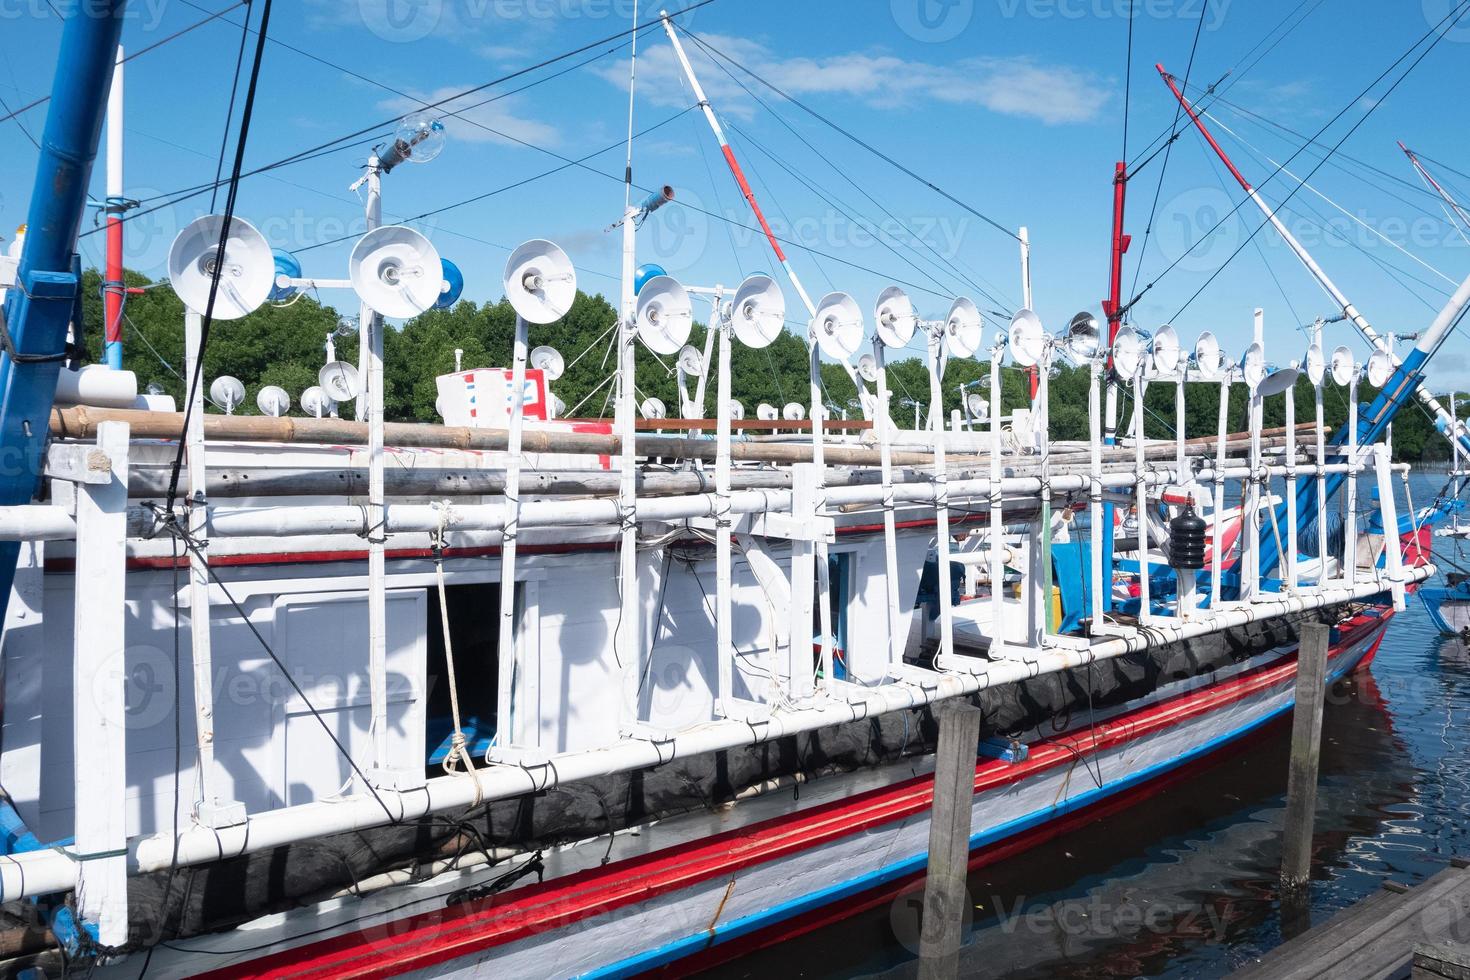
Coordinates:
1253	365
339	381
1027	338
691	361
894	317
963	329
838	326
1166	351
867	368
272	400
1316	365
665	316
1277	380
766	412
315	402
1342	366
1208	357
978	405
540	281
758	312
247	271
736	410
396	271
1083	340
653	408
227	393
1378	369
548	361
793	411
1130	351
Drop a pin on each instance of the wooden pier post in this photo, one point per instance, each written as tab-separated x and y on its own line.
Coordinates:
1306	746
945	892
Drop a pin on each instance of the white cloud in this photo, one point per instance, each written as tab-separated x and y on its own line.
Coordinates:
1013	86
499	122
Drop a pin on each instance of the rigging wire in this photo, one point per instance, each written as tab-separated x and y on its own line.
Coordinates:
859	141
42	100
1457	13
224	136
1167	149
1434	32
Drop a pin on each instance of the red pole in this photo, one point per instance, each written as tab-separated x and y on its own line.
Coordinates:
113	288
1113	305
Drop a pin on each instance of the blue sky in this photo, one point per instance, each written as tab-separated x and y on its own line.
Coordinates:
1014	107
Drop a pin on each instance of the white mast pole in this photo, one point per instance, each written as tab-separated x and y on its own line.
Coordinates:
628	639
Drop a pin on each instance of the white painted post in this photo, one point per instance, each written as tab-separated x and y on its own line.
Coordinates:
1094	493
1292	555
1217	557
1140	388
628	641
1393	553
803	579
509	654
1350	519
882	418
941	499
99	691
817	412
997	522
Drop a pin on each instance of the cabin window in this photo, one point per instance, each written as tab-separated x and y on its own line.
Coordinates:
474	632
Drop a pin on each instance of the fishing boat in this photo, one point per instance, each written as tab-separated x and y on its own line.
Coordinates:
519	694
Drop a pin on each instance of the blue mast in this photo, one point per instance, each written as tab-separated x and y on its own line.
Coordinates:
39	306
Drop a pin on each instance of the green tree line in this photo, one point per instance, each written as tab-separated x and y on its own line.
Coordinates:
284	345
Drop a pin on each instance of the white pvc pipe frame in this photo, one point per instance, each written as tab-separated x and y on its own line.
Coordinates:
55	869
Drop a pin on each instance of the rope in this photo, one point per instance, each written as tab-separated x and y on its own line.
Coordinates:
459	754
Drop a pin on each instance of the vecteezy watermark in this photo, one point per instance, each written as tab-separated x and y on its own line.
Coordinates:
1449	17
146	14
402	21
932	21
1212	11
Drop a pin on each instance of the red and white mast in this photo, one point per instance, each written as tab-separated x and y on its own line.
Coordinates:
1438	189
1446	422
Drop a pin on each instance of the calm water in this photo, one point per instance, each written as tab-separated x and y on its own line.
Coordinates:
1184	884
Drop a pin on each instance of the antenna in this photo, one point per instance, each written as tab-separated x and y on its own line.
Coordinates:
548	361
246	270
838	326
691	361
227	393
1316	365
314	401
1165	350
653	408
665	316
758	312
766	412
867	368
453	285
1027	339
894	318
1083	339
272	400
793	411
339	381
1342	366
963	329
540	282
396	271
1379	368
